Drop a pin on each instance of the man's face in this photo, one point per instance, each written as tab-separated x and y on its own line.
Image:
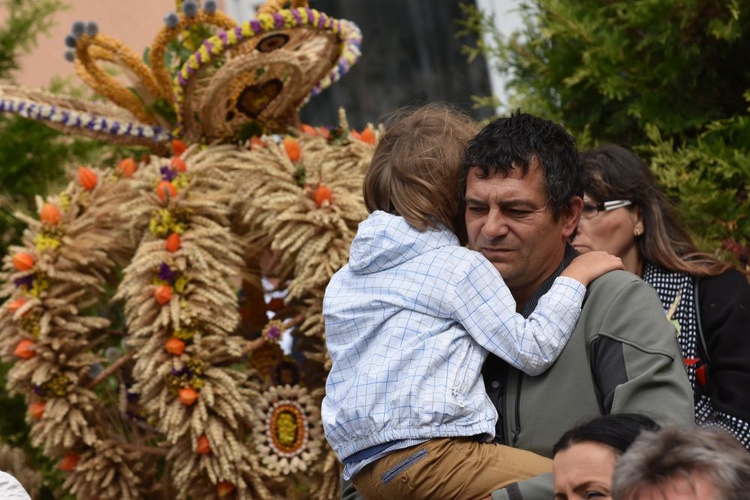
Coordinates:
509	221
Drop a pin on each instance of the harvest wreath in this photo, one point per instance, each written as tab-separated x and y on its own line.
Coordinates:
189	395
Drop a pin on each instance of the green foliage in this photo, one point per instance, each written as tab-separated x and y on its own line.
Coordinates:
615	66
667	78
26	20
710	179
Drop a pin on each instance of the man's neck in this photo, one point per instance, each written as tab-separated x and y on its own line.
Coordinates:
527	307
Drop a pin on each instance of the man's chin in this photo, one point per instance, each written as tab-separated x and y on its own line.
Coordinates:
504	268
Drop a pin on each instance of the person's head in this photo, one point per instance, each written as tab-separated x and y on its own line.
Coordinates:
585	456
523	198
416	169
683	464
626	214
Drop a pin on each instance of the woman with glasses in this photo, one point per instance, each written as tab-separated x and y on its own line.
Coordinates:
707	299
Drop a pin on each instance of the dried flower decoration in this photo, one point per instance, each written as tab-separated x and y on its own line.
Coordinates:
23	261
178	164
166	190
175	346
292	149
127	167
36	409
50	214
173	242
16	304
163	294
87	178
323	195
199	223
26	349
203	446
290	440
69	462
188	396
273	330
178	147
224	488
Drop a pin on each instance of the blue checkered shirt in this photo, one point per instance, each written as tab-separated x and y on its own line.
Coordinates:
409	323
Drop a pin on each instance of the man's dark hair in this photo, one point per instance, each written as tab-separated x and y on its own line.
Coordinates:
512	143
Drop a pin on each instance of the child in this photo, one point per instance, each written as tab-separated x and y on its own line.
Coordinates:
411	318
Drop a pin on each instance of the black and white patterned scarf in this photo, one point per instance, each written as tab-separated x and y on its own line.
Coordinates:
669	285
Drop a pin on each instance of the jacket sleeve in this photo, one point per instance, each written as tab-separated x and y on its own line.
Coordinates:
11	488
636	360
724	303
536	488
484	306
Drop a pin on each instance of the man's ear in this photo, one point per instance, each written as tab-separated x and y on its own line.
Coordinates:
569	218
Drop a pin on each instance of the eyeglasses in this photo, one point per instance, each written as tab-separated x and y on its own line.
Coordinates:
590	211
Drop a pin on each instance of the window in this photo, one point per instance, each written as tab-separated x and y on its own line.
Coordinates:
241	10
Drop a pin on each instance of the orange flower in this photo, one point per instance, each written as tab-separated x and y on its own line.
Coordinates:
355	134
163	294
323	194
256	142
178	164
178	147
368	136
127	166
188	396
166	189
25	349
324	132
292	148
309	130
173	242
16	304
69	462
87	178
50	214
174	346
224	488
203	447
37	409
23	261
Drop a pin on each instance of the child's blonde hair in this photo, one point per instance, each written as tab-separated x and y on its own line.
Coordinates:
417	166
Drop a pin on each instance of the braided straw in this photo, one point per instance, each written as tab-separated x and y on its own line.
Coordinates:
214	102
323	66
166	35
86	118
272	6
111	49
192	230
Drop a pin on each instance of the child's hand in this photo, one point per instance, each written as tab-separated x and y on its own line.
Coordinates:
589	266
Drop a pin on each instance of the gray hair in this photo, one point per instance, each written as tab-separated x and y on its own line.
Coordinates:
658	457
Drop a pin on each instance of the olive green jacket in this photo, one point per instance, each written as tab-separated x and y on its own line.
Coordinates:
622	357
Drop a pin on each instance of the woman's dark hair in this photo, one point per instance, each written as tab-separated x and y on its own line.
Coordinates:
611	172
617	431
